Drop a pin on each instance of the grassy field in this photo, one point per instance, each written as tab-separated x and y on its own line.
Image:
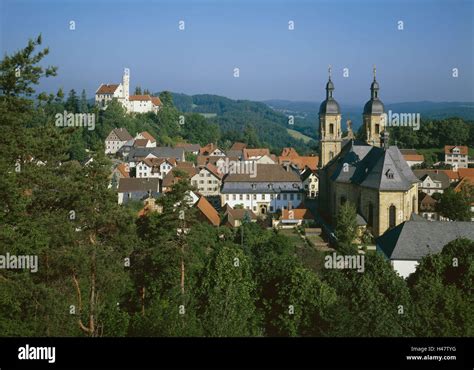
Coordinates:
298	135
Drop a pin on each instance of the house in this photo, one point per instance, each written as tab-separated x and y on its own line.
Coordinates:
121	92
234	217
427	207
407	243
143	104
269	189
121	171
236	150
182	170
412	157
189	148
154	167
207	180
137	154
144	140
291	156
456	156
137	189
310	182
432	181
291	218
117	138
211	150
206	212
255	154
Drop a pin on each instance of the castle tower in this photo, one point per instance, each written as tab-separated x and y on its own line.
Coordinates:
126	83
374	117
329	126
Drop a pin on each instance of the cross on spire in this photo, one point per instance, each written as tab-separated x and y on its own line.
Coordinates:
374	71
329	71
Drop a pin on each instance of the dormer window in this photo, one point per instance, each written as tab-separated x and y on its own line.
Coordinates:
389	174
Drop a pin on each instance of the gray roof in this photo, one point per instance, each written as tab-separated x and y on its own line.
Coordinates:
329	106
374	106
122	134
360	220
412	240
159	152
234	153
270	178
372	167
134	184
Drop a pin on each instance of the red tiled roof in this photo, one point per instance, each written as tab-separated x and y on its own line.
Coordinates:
298	214
259	152
238	146
289	152
413	157
156	101
123	169
147	136
449	148
107	89
208	211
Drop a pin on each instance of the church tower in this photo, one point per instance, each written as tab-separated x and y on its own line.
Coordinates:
374	117
126	83
329	126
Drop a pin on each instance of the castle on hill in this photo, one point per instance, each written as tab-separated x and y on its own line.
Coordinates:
121	92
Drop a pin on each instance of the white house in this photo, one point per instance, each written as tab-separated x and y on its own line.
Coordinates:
455	155
210	150
269	189
310	182
154	167
432	181
207	180
117	138
406	244
145	140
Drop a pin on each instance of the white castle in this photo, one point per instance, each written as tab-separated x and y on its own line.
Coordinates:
121	92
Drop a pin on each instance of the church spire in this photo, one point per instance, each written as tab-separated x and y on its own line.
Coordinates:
374	88
329	85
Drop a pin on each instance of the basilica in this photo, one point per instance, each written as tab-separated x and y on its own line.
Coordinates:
370	173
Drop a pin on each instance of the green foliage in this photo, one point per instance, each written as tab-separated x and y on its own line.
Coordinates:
346	227
442	291
456	205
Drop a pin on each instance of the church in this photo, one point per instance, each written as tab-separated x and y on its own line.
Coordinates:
371	174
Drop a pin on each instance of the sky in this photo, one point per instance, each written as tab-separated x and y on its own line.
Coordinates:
413	64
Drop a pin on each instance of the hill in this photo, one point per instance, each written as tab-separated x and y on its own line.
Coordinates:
235	117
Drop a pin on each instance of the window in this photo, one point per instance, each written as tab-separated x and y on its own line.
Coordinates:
370	221
227	197
291	196
255	196
241	197
263	196
298	196
377	128
392	213
284	196
331	128
254	208
247	196
234	197
271	208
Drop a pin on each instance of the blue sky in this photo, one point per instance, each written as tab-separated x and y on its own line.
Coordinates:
275	63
